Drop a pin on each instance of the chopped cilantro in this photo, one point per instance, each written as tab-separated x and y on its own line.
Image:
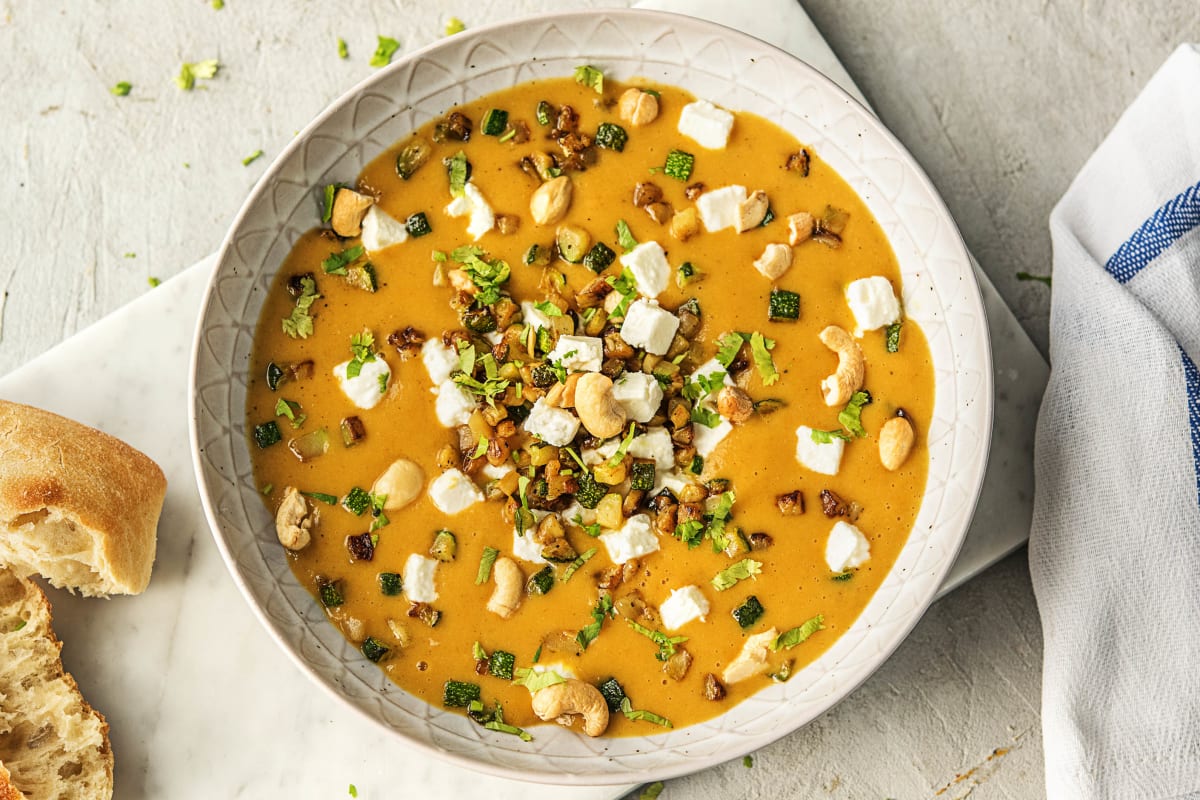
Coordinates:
690	533
284	408
189	73
592	530
353	790
328	499
582	559
666	644
548	308
454	25
827	437
153	281
728	577
851	415
122	88
760	347
591	77
728	347
635	714
619	456
300	324
716	525
485	565
362	345
747	761
534	680
384	51
327	210
488	276
625	285
343	50
625	236
459	171
589	632
336	263
789	639
250	159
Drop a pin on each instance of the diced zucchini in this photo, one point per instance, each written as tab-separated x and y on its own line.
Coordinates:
697	465
501	664
545	340
518	413
390	583
357	501
417	225
267	434
428	614
353	431
478	320
573	243
783	305
611	137
537	255
459	694
641	476
770	215
311	445
274	376
444	546
362	276
494	122
679	165
613	693
541	581
692	306
687	274
599	257
748	612
545	112
590	492
893	337
544	376
331	594
412	157
374	649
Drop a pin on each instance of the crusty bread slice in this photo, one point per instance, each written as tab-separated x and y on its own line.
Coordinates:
53	745
77	506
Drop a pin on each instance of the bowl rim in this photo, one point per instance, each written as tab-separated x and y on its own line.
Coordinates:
742	745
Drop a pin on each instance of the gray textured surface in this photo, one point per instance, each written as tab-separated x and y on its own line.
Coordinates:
1000	101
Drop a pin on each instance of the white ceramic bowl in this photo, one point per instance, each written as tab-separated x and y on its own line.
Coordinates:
735	71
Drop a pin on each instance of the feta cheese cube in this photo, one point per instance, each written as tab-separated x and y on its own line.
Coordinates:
555	426
577	515
673	481
452	491
524	547
381	230
819	457
639	394
471	203
650	327
439	360
683	606
578	353
496	473
719	208
419	572
534	318
368	387
873	303
706	123
633	540
846	548
649	266
454	404
655	443
706	439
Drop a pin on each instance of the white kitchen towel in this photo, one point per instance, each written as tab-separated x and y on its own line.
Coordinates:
1115	546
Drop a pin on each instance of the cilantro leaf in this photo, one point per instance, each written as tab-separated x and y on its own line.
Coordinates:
589	632
122	88
582	559
760	347
625	285
827	437
250	159
690	533
488	276
635	714
336	263
625	236
189	73
591	77
485	565
459	171
300	324
666	644
728	346
728	577
362	346
384	51
343	50
548	308
619	456
534	680
851	415
789	639
454	25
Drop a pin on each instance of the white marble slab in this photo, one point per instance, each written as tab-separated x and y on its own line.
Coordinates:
202	704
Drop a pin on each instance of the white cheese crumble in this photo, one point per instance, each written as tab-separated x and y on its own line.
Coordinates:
648	263
555	426
706	439
578	353
817	456
639	394
473	204
710	368
683	606
524	547
847	548
719	208
452	491
673	481
419	572
650	327
655	443
577	515
439	360
873	303
633	540
368	387
380	230
454	404
707	124
533	317
495	473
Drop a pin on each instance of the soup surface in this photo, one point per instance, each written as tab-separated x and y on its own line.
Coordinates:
497	512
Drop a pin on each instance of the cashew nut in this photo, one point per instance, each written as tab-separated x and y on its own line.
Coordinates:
597	407
294	520
637	107
848	379
570	698
752	211
510	582
349	208
895	443
551	200
800	227
775	260
734	404
401	483
753	658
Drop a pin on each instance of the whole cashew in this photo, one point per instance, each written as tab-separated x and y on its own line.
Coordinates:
401	483
848	379
551	200
294	520
637	107
752	211
510	581
895	443
752	659
598	409
349	208
775	260
573	698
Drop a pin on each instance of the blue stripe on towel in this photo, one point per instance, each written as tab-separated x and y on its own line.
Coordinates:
1192	378
1176	217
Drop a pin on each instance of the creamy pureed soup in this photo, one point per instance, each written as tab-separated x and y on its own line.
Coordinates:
591	402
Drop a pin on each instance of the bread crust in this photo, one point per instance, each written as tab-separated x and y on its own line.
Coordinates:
7	790
51	464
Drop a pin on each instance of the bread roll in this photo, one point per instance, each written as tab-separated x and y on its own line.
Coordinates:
77	506
53	745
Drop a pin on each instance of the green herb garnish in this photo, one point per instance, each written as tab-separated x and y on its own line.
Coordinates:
728	577
328	499
189	73
893	337
534	680
635	714
454	25
851	415
625	236
122	88
789	639
591	77
362	346
827	437
582	559
760	350
250	159
666	644
589	632
459	171
485	565
384	51
343	50
336	263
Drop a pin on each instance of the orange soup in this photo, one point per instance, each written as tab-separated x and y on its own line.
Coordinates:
591	403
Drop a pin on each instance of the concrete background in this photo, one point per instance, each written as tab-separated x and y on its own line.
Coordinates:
1000	100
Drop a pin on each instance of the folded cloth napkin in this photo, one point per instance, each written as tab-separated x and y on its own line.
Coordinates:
1115	547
